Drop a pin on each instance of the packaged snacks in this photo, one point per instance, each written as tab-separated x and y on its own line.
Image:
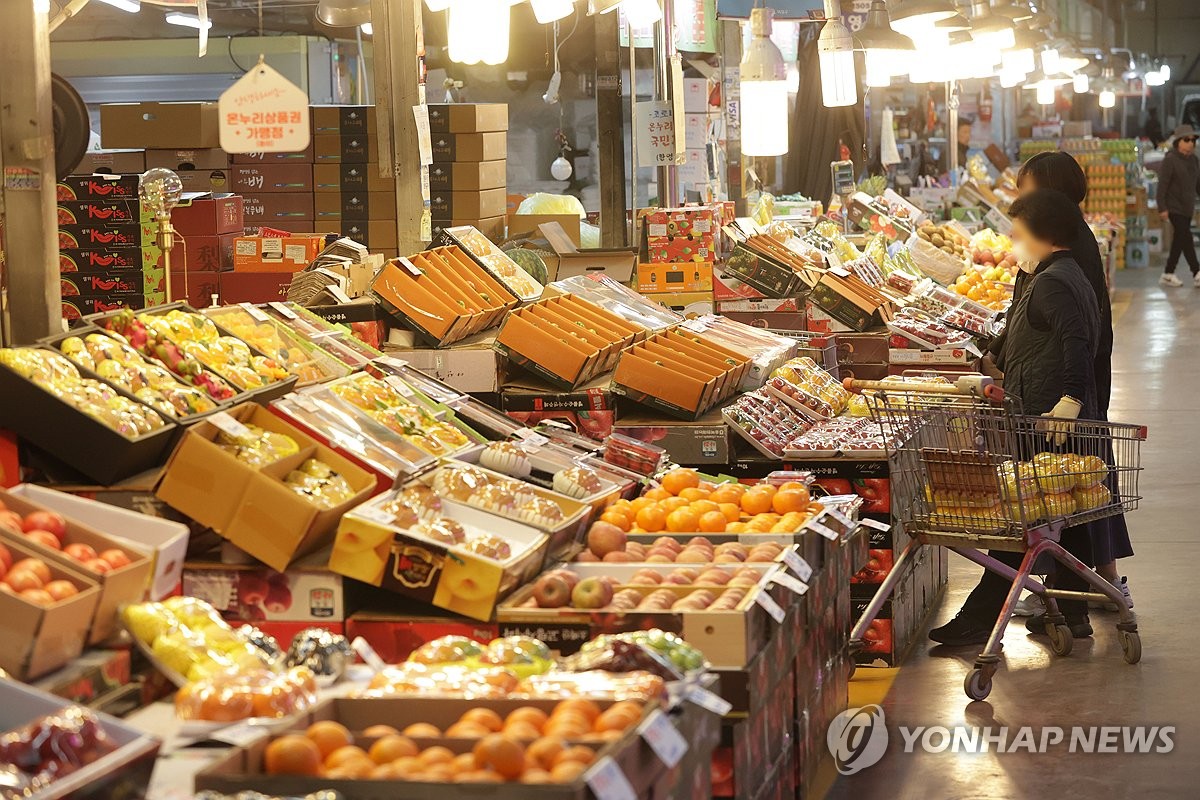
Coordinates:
257	447
767	422
387	405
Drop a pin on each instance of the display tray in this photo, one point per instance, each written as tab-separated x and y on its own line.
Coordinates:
81	442
297	353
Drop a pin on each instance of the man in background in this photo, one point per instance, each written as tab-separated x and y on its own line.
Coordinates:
1178	184
964	141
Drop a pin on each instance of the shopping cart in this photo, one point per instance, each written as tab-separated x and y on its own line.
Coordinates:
971	473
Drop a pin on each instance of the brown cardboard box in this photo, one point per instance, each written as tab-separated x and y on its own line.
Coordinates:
474	205
270	254
159	125
253	508
355	206
342	119
126	584
196	288
40	639
307	592
200	159
468	117
351	178
519	224
286	225
266	178
468	176
112	162
204	180
679	372
304	156
376	234
690	276
253	287
331	148
208	214
617	263
492	227
470	146
203	254
272	207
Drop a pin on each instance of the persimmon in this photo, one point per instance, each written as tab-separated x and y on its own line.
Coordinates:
292	755
500	754
329	736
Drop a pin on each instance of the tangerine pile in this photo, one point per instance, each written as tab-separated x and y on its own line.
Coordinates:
683	503
529	746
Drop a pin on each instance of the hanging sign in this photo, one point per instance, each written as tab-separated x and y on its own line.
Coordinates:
656	134
264	112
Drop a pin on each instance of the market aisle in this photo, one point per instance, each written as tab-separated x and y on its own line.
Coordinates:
1156	382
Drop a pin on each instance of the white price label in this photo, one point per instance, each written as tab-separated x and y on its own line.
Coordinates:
392	361
828	533
707	700
875	524
263	112
400	386
788	582
533	438
256	314
798	565
770	606
229	425
840	517
608	781
374	514
368	654
283	310
240	735
666	742
409	267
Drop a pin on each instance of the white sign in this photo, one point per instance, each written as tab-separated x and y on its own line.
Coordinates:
264	112
656	134
608	781
668	743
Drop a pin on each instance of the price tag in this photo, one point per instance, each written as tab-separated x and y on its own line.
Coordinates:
409	267
694	325
283	310
875	524
788	582
392	361
374	514
840	517
229	425
608	781
770	606
666	742
828	533
368	654
263	112
256	314
798	565
707	700
533	438
400	386
240	735
305	402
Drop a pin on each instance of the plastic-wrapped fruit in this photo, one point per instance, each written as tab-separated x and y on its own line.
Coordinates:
319	484
446	650
228	697
55	746
1089	471
1091	497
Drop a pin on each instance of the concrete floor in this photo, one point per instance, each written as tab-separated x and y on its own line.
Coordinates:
1156	382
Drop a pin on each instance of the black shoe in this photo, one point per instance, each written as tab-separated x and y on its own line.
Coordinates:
1080	628
962	630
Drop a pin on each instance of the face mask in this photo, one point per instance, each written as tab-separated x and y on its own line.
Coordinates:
1026	260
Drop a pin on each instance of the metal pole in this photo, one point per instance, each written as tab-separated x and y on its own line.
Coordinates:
952	134
633	133
664	51
29	190
610	131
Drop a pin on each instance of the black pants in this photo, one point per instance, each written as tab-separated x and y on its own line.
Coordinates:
987	598
1181	243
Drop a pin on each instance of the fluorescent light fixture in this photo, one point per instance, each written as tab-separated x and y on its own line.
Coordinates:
839	84
367	28
547	11
478	31
764	91
642	13
188	21
1081	83
1108	98
132	6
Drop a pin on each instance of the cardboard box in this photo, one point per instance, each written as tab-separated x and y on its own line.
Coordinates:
198	289
696	96
304	156
590	410
468	176
252	508
475	205
947	356
764	274
675	277
524	224
159	125
376	234
251	593
676	249
270	254
468	117
102	284
481	249
118	586
122	211
342	119
102	259
253	287
685	302
208	215
203	254
332	148
679	372
818	320
862	348
469	366
266	178
98	187
40	639
470	146
76	308
355	206
617	263
492	227
394	636
113	162
268	209
205	180
351	178
194	159
705	441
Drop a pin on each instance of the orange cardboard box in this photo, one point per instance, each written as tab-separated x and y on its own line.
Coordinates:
679	372
268	254
687	276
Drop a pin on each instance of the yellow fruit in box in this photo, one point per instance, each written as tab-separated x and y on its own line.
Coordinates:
147	622
1059	505
175	652
1096	496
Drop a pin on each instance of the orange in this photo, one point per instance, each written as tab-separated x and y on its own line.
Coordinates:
536	776
735	527
500	754
713	522
578	753
391	747
479	776
435	755
521	731
732	511
534	716
618	519
682	520
677	480
580	705
466	729
766	487
343	755
652	519
704	506
756	501
692	495
409	765
727	493
657	494
328	736
377	731
485	717
638	504
545	750
422	730
672	503
615	719
464	762
792	485
567	772
787	500
292	755
438	773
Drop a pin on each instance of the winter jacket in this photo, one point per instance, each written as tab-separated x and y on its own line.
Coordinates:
1178	183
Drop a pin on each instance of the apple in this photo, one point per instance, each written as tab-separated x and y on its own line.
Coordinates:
668	542
6	559
37	596
34	565
604	538
694	555
44	538
551	591
279	599
586	556
98	565
81	552
617	556
659	558
728	557
252	588
700	541
636	549
626	600
45	521
22	579
571	578
116	558
61	590
653	575
591	593
12	521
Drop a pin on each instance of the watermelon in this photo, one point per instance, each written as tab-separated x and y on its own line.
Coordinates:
531	262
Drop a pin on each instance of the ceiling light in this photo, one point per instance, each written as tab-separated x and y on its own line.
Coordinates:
477	31
1045	93
914	15
1154	78
887	52
343	13
132	6
990	28
187	21
1165	71
1108	98
437	5
764	90
1011	77
1017	12
547	11
641	13
367	28
1081	83
839	83
1050	61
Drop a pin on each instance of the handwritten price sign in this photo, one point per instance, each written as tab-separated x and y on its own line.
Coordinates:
264	112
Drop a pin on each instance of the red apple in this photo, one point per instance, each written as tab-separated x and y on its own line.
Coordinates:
591	593
45	539
567	575
279	599
39	596
34	565
45	521
115	558
6	558
61	590
12	521
252	588
604	538
551	591
81	552
22	579
98	565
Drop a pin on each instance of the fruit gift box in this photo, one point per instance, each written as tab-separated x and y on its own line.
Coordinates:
263	484
680	372
122	572
337	340
417	543
41	634
487	255
300	356
93	426
553	467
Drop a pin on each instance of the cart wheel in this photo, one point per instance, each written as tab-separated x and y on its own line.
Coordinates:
1131	646
1061	640
977	685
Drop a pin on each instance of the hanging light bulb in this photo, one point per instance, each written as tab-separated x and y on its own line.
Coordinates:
1010	78
764	91
991	29
1081	83
887	52
1154	77
478	31
1045	94
1165	71
132	6
547	11
1020	60
1108	98
839	84
1050	61
641	13
560	169
910	16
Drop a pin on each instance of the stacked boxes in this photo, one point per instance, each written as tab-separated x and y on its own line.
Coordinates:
679	247
468	177
206	229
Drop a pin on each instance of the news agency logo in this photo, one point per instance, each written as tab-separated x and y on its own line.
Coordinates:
857	738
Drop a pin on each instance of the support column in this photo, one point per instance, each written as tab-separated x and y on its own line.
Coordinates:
610	132
27	196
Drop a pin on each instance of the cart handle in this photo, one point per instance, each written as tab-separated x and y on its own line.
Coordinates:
967	384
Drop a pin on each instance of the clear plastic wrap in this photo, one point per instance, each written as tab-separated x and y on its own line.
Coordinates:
620	300
296	353
229	697
48	749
